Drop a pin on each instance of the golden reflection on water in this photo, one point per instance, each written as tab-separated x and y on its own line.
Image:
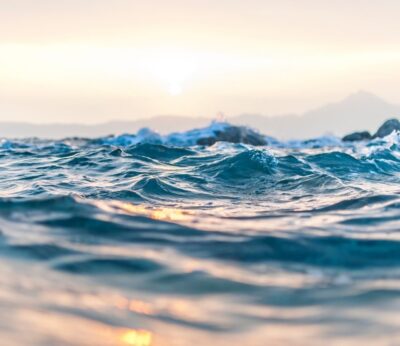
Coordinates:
137	306
163	214
135	337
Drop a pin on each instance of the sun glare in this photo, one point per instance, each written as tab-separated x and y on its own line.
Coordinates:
175	89
173	69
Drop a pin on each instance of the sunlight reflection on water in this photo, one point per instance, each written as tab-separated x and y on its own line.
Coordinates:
136	338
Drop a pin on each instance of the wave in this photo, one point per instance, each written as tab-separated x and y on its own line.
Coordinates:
197	235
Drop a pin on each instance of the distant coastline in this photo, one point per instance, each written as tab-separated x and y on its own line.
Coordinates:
361	110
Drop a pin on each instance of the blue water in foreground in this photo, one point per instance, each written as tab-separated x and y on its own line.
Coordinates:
136	241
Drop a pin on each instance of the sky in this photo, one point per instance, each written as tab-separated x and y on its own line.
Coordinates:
97	60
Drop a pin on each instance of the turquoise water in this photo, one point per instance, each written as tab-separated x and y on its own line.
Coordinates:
147	241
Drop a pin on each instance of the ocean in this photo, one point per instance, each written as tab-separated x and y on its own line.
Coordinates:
154	240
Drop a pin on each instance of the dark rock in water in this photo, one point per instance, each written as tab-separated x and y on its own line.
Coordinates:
387	128
234	134
357	136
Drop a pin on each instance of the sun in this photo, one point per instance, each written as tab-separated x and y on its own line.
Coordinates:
175	89
174	69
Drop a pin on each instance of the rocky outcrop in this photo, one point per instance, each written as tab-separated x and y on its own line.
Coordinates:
234	134
357	136
387	128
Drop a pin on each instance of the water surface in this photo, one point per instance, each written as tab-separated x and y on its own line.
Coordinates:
141	241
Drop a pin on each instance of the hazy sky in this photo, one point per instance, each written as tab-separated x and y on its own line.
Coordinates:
96	60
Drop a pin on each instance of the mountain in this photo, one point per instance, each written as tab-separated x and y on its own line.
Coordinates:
359	111
162	124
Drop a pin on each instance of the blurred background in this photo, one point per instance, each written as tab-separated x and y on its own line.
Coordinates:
90	62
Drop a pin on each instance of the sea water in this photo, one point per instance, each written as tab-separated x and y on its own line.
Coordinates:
152	240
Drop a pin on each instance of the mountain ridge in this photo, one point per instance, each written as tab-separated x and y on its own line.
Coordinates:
358	111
